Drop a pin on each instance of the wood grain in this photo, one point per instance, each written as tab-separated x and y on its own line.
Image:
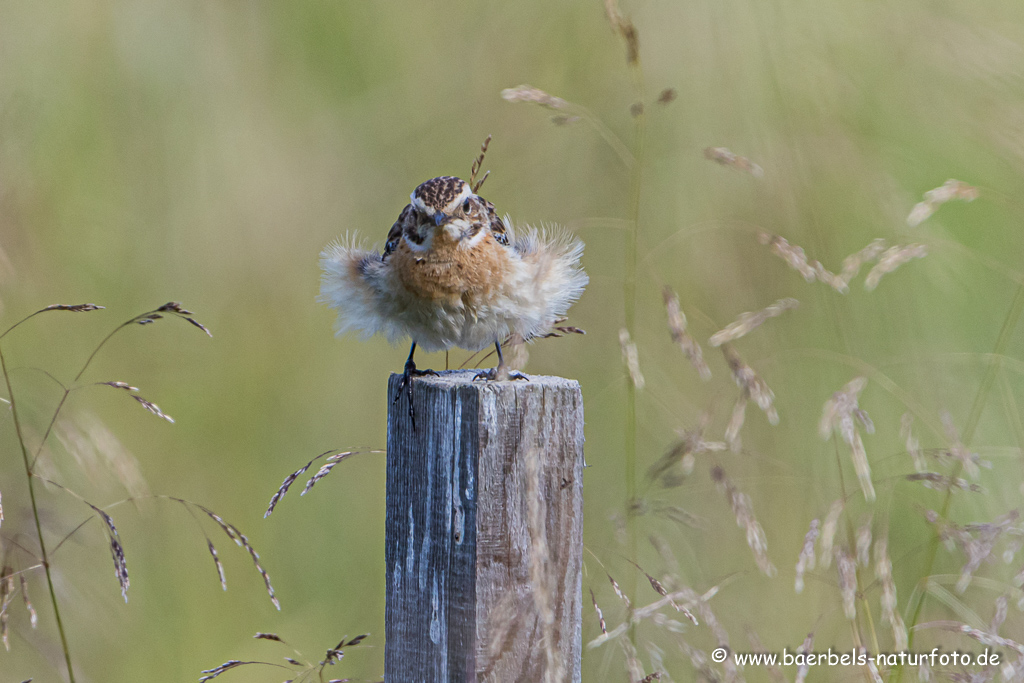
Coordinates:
484	532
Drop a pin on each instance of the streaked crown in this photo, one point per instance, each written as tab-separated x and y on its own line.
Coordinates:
440	195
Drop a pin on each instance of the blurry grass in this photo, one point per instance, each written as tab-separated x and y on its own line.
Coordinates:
208	152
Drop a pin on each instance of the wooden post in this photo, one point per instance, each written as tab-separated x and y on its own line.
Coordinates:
484	532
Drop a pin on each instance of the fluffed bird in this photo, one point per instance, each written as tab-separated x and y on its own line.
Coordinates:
453	274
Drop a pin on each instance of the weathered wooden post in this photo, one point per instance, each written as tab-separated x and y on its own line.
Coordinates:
484	533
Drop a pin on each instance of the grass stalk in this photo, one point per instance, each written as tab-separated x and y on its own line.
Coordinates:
30	462
69	389
35	515
973	418
629	294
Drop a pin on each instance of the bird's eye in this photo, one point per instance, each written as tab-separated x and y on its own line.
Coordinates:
466	206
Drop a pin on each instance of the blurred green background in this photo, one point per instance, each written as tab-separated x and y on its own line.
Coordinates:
206	152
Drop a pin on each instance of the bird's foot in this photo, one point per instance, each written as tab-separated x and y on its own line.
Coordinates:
406	384
500	373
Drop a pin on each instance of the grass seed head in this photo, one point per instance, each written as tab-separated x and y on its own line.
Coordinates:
725	157
828	532
74	308
527	93
793	255
806	560
631	358
747	322
677	328
743	510
933	199
847	568
891	259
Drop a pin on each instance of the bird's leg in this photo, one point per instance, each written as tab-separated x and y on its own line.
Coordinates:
501	372
406	382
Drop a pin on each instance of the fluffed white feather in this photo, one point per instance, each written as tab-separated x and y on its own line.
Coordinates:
544	279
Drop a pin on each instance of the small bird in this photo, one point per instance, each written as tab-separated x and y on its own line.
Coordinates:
453	274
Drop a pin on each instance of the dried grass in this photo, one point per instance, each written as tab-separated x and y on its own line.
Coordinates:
218	670
99	454
862	541
631	359
33	617
242	541
736	420
626	30
153	408
619	593
678	463
6	597
600	614
723	156
504	619
883	572
793	255
116	550
667	96
933	199
216	562
806	562
944	482
912	444
91	444
846	566
751	384
757	646
977	634
828	533
540	578
677	328
999	615
662	591
685	597
840	414
805	648
887	260
968	460
748	322
891	259
853	263
531	95
743	510
333	456
633	666
74	308
477	164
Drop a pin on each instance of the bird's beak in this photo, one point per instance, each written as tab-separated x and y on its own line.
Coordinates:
440	218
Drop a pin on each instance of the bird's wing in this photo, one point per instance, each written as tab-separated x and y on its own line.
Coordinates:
552	257
354	283
497	226
395	233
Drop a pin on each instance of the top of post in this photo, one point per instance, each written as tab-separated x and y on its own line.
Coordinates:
454	378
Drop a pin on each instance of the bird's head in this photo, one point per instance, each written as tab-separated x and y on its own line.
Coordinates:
447	208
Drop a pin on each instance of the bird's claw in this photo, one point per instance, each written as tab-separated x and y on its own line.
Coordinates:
499	373
406	383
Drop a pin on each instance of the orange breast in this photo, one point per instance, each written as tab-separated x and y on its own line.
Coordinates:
448	272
